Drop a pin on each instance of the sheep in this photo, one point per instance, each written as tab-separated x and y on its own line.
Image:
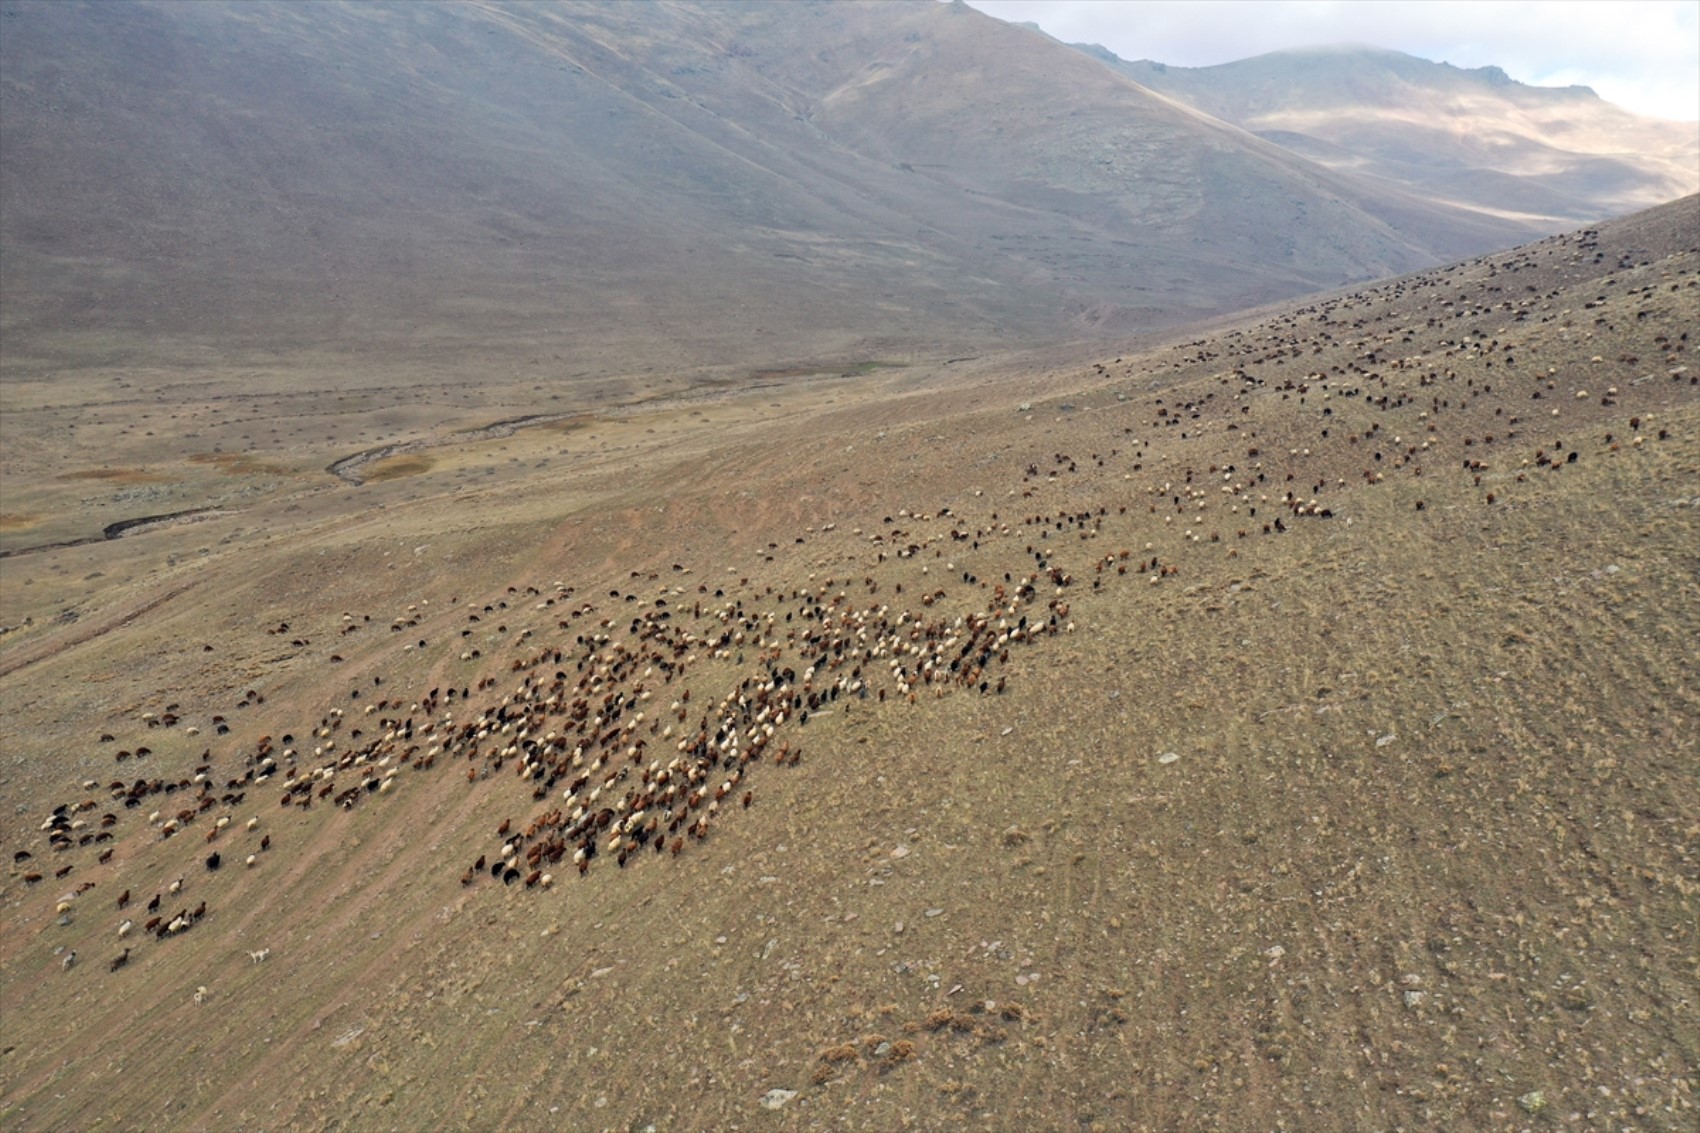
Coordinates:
260	956
69	961
124	929
119	961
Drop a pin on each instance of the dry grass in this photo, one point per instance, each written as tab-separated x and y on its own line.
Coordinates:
238	464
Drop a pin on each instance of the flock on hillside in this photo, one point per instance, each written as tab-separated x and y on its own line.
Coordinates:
631	724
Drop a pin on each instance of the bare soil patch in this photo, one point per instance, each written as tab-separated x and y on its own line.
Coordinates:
396	467
114	475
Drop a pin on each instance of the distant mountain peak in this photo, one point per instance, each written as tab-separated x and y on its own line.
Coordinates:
1490	74
1496	77
1463	135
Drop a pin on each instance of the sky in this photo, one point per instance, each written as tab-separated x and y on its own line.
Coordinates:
1643	55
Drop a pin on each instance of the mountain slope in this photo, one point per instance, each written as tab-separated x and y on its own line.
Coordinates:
1557	156
595	188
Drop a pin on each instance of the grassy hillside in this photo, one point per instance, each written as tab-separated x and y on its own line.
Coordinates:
1307	742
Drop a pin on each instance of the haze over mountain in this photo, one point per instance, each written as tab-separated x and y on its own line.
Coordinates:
595	188
1557	156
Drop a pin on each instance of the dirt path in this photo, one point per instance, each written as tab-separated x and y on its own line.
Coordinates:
41	650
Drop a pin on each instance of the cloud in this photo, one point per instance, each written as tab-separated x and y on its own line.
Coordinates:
1643	55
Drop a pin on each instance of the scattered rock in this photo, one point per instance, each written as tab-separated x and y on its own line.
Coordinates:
776	1097
1169	757
1533	1102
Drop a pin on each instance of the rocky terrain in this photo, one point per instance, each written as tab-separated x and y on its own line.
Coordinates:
1283	724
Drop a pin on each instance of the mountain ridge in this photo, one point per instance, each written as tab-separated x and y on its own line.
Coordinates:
1556	156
